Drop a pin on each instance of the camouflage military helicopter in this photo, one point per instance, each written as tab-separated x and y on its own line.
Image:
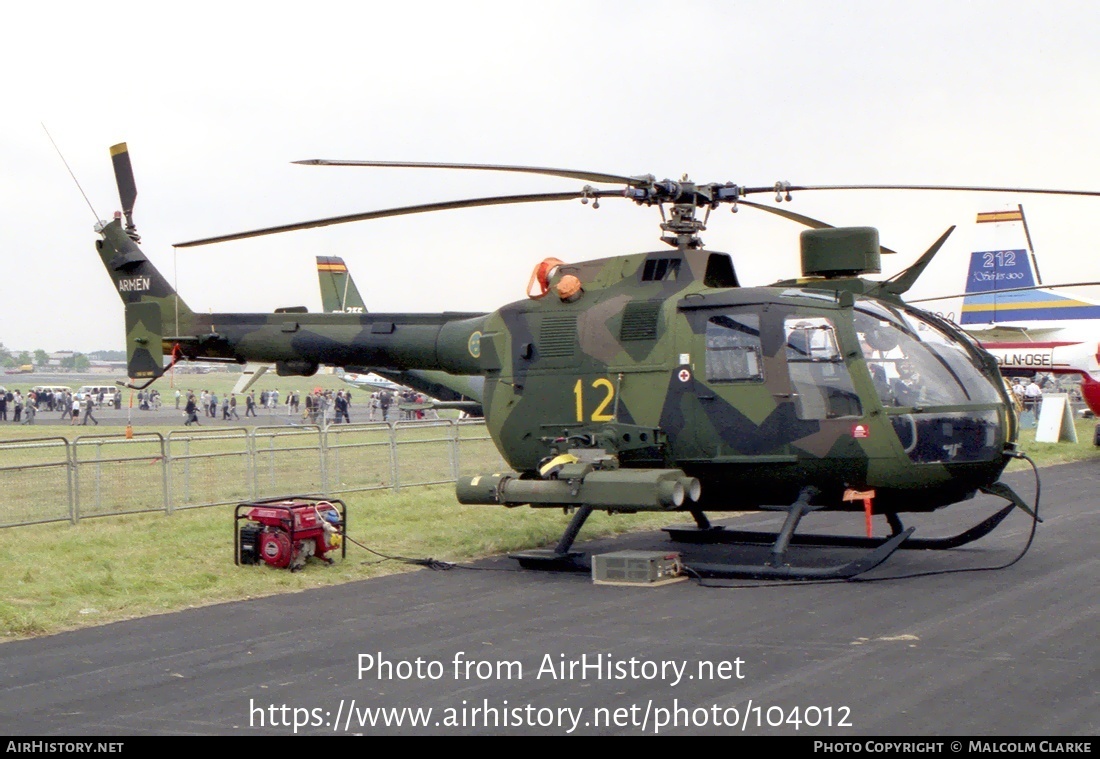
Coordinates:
655	381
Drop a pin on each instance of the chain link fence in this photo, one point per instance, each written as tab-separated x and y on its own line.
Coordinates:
36	482
55	479
113	474
209	467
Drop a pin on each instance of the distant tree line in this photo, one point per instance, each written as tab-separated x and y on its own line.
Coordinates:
40	358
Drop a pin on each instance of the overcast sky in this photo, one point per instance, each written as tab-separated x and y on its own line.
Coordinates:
216	99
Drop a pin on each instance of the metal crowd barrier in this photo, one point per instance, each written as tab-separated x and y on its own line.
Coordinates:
53	479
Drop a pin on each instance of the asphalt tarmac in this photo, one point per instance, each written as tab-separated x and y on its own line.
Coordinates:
1011	652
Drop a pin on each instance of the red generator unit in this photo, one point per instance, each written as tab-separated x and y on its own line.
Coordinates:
285	532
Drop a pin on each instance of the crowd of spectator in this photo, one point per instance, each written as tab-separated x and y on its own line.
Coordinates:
321	407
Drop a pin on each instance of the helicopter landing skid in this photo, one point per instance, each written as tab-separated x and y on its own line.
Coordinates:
547	559
777	566
559	558
707	533
776	570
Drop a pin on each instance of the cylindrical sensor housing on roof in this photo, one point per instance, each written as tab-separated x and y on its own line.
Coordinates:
840	252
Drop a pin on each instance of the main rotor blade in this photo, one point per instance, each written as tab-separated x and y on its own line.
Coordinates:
587	176
1006	290
947	188
124	177
444	206
790	215
799	218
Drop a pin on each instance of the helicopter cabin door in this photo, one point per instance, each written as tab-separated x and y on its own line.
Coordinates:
734	385
767	383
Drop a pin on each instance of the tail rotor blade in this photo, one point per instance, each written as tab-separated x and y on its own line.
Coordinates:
127	188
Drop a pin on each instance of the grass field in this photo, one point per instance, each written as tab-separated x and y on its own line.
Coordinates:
60	576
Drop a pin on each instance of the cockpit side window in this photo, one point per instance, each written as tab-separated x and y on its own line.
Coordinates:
821	385
811	339
733	348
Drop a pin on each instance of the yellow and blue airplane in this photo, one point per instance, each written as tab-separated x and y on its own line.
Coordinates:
1027	326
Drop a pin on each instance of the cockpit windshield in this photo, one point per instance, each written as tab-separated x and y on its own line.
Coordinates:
916	364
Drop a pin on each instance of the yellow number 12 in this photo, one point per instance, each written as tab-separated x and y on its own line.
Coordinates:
599	415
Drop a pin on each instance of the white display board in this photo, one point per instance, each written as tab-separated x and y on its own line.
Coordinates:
1055	420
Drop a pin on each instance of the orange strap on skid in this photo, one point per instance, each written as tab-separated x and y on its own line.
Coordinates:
867	496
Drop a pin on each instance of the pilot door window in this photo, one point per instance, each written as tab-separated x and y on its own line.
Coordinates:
912	363
733	348
820	383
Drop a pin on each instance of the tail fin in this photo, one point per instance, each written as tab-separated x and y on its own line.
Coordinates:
151	303
1003	260
152	306
338	291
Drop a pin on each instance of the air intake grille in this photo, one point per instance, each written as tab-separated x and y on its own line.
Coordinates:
558	336
640	320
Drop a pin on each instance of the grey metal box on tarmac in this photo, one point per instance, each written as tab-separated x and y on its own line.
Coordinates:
637	568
